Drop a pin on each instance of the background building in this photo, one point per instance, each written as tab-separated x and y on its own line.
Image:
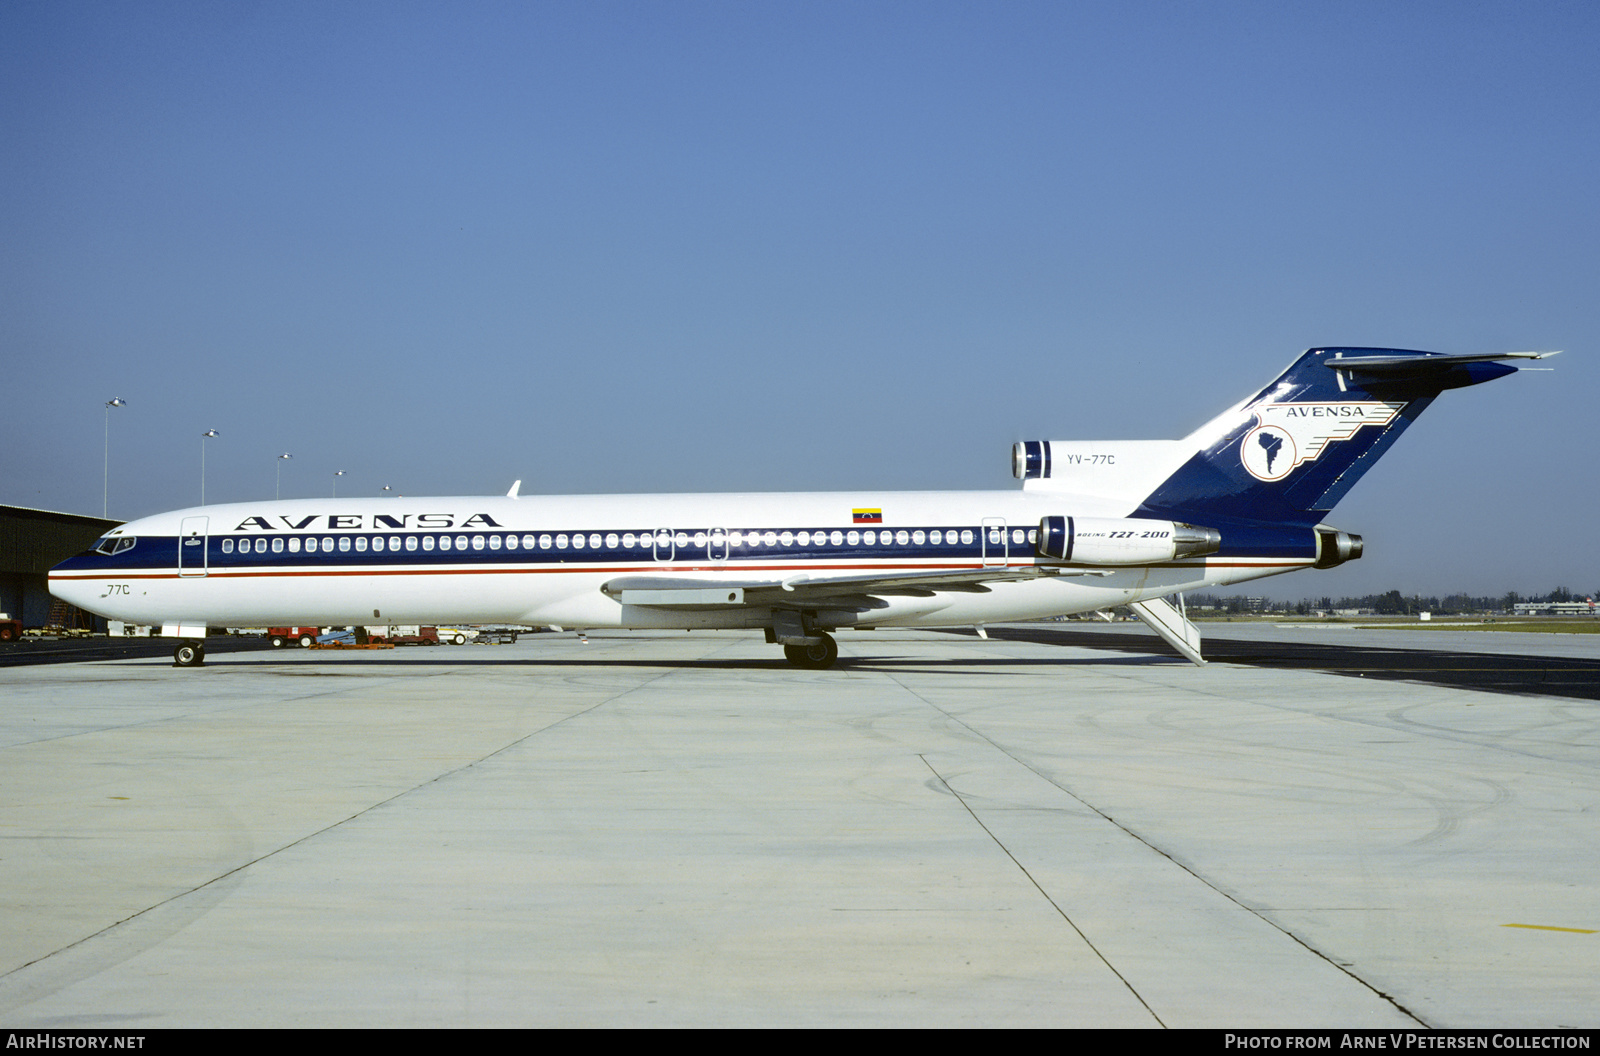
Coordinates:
31	543
1555	608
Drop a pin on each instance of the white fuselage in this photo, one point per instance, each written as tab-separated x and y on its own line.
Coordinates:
544	559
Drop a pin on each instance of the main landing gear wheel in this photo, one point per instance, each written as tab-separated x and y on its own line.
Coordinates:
189	654
818	656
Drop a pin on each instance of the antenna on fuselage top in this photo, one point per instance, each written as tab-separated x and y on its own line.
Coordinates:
515	486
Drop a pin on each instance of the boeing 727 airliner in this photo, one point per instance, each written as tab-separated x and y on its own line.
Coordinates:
1094	525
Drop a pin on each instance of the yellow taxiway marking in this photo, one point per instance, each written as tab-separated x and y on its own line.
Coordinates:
1550	927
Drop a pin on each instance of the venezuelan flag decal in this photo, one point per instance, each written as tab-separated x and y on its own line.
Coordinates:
873	516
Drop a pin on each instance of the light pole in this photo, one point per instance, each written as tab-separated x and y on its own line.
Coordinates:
336	475
105	485
208	434
277	492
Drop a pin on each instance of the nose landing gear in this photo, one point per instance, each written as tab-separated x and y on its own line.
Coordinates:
189	654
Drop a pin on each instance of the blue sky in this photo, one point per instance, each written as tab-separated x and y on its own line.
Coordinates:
616	247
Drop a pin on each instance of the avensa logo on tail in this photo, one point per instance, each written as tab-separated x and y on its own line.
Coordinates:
1095	524
1292	434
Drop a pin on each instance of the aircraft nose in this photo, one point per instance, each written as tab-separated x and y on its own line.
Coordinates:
64	583
71	591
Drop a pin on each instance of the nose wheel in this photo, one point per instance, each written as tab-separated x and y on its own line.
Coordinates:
189	654
820	655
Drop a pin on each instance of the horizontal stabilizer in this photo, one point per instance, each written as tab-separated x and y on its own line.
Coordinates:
1415	365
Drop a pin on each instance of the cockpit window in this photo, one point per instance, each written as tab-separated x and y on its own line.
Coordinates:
115	544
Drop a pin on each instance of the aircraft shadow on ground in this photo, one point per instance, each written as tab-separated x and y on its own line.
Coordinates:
1491	672
852	663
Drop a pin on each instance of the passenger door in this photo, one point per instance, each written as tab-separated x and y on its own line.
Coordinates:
192	546
996	544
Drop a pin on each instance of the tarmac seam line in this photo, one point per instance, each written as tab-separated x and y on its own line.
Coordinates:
220	877
1024	870
1181	865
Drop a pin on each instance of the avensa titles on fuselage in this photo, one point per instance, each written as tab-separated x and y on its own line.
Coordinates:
340	522
1095	525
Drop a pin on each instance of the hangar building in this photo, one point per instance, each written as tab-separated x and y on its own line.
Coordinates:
31	543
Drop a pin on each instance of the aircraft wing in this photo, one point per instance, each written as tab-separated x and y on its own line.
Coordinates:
807	590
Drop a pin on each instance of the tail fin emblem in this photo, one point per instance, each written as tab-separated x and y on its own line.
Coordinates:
1291	434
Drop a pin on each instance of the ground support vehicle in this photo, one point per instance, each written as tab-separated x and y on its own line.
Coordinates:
404	635
302	636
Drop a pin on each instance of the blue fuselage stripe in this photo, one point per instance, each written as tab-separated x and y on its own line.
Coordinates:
361	550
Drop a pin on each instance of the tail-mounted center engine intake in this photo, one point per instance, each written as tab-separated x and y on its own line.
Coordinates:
1030	459
1123	540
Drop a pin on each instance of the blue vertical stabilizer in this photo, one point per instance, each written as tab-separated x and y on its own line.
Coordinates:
1288	454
